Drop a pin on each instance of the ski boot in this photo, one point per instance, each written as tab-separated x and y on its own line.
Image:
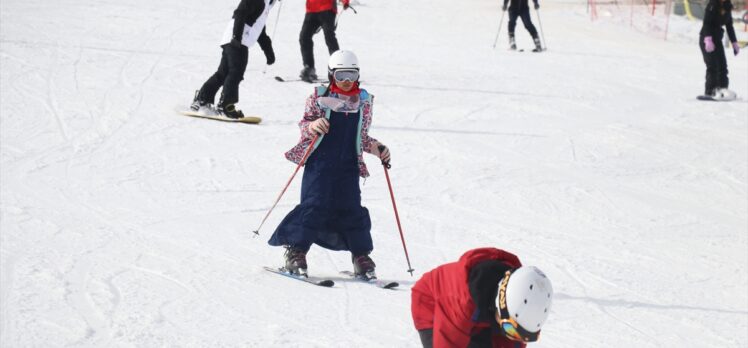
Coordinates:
537	48
308	74
197	103
512	43
295	261
363	267
230	111
724	94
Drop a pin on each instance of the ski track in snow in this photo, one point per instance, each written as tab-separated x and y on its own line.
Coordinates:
124	224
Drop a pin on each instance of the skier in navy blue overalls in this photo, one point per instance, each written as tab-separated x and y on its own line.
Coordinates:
330	212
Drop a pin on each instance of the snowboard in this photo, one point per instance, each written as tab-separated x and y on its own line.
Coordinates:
722	94
218	117
712	98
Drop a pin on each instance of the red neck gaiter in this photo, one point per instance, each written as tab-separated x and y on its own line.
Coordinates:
335	89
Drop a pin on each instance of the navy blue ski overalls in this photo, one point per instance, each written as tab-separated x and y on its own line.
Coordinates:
330	213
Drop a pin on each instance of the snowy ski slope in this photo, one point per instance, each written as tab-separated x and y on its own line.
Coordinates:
123	224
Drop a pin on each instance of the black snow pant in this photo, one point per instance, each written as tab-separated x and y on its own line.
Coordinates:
230	72
312	23
480	340
716	66
525	15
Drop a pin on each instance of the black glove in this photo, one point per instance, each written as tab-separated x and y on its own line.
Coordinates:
537	6
236	43
503	8
270	56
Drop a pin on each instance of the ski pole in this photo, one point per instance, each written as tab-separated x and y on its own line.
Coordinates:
301	163
498	31
545	45
386	166
337	17
275	28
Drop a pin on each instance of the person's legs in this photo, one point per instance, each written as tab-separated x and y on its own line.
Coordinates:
308	28
512	25
721	66
711	79
236	59
327	19
527	21
512	22
209	89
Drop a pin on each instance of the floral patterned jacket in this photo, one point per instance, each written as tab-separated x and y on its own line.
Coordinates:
314	111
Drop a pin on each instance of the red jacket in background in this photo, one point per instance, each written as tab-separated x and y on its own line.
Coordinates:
314	6
441	301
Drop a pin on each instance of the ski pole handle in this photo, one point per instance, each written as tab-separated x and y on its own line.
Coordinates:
386	164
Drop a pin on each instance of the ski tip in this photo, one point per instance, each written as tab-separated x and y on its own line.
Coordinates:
326	283
391	285
278	78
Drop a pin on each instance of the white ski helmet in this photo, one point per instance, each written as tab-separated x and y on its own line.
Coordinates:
524	298
342	60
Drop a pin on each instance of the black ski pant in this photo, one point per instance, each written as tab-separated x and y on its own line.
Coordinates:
716	66
482	339
526	20
312	23
230	72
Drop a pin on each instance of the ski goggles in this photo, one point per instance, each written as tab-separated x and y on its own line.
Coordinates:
342	75
508	326
513	331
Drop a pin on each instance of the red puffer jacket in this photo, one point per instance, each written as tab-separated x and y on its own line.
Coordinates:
441	301
314	6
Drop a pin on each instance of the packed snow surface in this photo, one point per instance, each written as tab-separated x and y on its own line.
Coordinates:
124	224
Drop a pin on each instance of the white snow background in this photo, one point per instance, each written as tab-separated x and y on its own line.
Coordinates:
127	225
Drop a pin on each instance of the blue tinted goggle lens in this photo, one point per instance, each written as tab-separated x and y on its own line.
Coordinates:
345	75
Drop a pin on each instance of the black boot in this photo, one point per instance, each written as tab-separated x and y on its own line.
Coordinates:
363	267
228	110
512	43
538	48
308	74
295	261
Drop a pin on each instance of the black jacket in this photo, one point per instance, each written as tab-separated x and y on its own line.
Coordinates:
717	14
246	13
517	5
483	283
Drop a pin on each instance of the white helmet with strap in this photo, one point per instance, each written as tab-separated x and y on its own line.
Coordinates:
342	59
524	302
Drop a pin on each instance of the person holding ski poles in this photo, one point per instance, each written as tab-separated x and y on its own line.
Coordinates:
319	14
718	13
246	27
485	299
520	8
336	126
